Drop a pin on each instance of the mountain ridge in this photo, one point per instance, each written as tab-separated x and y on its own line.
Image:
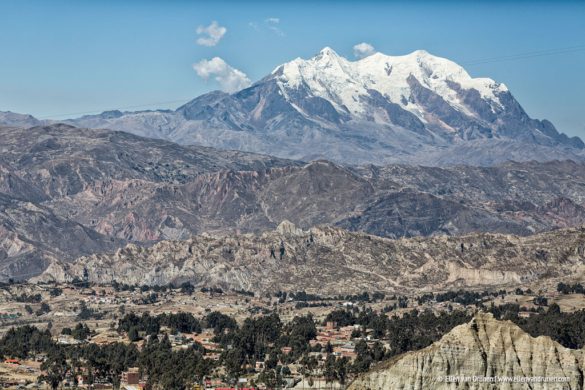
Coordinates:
109	188
418	109
123	188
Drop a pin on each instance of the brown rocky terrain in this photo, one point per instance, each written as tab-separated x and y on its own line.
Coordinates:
121	188
331	260
393	202
43	169
483	348
31	236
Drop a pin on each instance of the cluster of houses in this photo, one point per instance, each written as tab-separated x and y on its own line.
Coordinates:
105	299
23	370
340	339
9	316
131	380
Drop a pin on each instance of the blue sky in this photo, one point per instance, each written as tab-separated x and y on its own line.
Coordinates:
60	58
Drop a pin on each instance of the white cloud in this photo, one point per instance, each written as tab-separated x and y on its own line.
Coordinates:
276	30
230	79
211	35
363	49
271	24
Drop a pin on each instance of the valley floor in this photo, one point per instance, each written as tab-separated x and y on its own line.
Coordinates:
347	328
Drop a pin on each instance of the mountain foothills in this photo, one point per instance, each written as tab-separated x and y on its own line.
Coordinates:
417	109
93	191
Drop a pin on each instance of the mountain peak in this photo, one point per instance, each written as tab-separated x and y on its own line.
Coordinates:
327	56
327	51
421	53
348	85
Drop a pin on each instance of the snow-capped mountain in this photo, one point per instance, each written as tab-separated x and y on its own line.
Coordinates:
416	108
354	88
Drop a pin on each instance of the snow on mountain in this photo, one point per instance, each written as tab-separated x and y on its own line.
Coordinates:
416	108
342	82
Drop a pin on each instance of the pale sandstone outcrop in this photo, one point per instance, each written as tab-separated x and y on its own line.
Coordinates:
482	348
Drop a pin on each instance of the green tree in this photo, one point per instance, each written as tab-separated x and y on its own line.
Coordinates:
56	368
234	359
272	361
341	366
81	332
55	292
329	370
133	334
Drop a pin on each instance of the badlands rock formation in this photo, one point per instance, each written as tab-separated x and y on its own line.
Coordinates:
478	351
331	260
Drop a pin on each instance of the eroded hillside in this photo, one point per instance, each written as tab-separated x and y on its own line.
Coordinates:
488	350
332	260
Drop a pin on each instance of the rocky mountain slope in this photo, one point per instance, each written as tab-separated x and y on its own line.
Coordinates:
483	348
393	201
8	118
31	236
114	188
417	109
41	166
329	260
